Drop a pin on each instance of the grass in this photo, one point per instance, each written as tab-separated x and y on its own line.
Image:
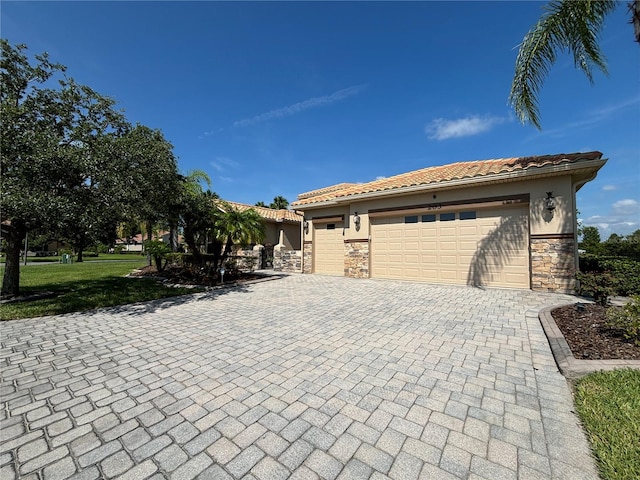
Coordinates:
129	257
84	286
609	405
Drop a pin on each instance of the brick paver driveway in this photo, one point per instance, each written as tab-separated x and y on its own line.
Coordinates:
301	377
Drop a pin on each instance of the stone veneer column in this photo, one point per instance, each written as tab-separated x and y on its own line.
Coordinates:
553	264
356	258
307	257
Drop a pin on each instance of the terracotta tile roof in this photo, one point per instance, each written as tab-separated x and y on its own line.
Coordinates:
325	190
270	213
444	173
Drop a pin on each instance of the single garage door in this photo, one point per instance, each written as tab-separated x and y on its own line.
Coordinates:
475	246
328	243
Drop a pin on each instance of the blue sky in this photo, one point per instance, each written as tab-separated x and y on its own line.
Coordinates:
276	98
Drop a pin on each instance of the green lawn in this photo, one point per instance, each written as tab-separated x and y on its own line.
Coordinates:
130	257
609	405
84	286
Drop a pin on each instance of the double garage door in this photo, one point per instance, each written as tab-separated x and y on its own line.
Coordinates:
487	246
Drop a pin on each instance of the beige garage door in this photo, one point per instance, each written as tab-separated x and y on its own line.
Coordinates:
328	244
476	247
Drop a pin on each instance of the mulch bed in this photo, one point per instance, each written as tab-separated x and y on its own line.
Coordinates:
584	326
190	276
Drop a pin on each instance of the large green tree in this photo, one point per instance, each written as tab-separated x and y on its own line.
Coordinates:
56	154
591	239
71	164
96	190
565	25
24	140
154	171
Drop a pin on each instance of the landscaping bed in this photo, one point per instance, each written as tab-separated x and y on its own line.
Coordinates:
195	276
586	330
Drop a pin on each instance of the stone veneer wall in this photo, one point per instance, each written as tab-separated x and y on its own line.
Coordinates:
307	257
356	258
553	265
287	260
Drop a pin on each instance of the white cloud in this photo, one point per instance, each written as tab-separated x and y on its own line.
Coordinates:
443	129
609	188
213	132
623	219
224	163
627	206
301	106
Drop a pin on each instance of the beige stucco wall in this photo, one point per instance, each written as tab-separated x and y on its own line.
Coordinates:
541	222
291	234
326	212
292	239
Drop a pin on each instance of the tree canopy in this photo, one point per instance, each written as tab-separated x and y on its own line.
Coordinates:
565	25
71	163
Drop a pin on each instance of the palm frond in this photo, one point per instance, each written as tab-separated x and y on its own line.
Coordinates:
572	25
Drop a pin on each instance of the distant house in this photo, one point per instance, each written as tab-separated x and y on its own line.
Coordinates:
131	244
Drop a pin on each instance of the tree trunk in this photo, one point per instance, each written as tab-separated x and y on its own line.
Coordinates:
14	236
149	228
190	240
173	237
79	256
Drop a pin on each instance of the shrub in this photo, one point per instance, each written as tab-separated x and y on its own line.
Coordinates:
118	249
627	319
90	254
624	272
158	250
597	285
102	248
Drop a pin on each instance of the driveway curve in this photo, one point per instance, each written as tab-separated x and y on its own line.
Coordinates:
303	377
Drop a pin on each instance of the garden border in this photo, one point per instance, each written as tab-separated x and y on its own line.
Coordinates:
568	365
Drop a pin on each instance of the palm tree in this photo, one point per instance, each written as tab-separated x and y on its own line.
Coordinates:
572	25
195	209
260	204
279	203
236	227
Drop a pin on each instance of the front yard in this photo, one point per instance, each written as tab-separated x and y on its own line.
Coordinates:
83	286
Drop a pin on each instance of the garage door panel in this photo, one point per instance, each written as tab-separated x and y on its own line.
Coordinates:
491	249
329	249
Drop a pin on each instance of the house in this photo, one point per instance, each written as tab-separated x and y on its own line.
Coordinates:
131	244
281	226
507	222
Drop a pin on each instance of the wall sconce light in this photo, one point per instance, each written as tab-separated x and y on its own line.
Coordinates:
305	225
356	220
550	202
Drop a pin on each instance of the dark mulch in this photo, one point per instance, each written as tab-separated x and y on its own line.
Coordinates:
194	276
584	326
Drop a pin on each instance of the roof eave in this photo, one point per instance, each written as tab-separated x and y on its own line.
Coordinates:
516	175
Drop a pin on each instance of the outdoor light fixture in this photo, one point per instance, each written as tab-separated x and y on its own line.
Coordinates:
356	220
305	225
550	202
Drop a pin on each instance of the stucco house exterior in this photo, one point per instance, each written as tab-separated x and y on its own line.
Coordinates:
506	222
281	226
